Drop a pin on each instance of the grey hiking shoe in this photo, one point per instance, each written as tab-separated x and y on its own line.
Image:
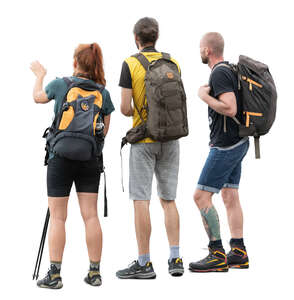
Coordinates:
52	280
93	277
175	267
135	271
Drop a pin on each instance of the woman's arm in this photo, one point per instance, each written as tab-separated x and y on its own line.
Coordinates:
39	94
106	124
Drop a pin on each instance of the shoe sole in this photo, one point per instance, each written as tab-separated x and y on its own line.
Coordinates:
239	266
97	282
176	272
226	269
59	285
138	276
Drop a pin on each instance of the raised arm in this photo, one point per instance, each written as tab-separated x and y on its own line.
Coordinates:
39	94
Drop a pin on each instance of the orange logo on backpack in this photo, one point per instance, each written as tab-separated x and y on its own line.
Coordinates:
85	106
170	75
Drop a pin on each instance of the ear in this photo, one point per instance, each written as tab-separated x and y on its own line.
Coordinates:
136	38
75	63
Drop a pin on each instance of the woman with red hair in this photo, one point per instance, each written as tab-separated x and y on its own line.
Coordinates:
62	172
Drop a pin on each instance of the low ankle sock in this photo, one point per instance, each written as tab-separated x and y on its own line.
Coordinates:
56	264
94	265
174	252
144	259
215	244
237	242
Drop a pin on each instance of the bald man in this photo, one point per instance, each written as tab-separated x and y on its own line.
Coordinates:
222	169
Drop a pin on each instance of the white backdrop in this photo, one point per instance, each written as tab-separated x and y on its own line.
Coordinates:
49	31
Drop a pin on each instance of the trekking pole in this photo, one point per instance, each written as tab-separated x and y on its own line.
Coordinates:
41	247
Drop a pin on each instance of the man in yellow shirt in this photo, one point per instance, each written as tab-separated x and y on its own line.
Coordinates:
148	157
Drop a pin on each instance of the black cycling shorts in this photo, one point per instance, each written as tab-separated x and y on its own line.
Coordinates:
61	173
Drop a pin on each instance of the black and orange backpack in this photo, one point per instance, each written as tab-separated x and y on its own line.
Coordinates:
73	133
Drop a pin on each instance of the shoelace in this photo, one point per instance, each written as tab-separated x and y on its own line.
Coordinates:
132	264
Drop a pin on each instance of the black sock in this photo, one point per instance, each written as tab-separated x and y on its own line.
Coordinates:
237	242
215	244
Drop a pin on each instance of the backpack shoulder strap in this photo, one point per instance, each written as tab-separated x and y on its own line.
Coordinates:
67	81
165	55
222	65
143	60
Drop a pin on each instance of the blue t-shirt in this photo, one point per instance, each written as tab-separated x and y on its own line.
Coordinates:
57	89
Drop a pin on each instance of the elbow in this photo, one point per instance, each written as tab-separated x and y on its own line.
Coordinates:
231	112
124	111
37	99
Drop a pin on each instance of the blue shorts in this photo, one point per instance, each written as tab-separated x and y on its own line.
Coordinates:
222	168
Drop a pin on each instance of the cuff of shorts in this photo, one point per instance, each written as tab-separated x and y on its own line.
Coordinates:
207	188
166	197
231	186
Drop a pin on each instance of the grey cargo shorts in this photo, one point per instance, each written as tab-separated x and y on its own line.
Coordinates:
149	158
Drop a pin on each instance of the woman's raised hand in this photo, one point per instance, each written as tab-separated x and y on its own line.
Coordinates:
38	69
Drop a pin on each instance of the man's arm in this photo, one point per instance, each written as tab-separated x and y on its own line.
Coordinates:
226	104
126	102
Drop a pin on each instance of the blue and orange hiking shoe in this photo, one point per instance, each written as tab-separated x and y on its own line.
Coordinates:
238	258
216	261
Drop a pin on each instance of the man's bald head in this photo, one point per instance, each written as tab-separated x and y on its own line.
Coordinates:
211	44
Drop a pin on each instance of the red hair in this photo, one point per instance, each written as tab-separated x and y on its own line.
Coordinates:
89	59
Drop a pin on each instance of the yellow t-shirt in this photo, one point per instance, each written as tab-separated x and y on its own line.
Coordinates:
137	73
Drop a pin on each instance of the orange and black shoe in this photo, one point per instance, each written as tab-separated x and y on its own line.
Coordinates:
238	258
216	261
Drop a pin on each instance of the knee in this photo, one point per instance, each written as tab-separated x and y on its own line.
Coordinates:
167	204
141	204
58	216
89	215
200	199
229	197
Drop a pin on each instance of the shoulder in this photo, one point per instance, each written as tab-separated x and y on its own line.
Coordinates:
57	82
130	64
105	94
131	60
107	106
55	87
223	72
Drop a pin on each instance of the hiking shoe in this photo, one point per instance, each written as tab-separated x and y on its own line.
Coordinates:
135	271
93	277
238	258
175	267
216	261
52	280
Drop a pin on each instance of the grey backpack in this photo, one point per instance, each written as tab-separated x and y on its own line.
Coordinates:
165	103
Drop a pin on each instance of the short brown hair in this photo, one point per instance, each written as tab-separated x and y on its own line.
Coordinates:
215	42
146	29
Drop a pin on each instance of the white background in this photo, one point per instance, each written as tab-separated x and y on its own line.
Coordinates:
49	31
